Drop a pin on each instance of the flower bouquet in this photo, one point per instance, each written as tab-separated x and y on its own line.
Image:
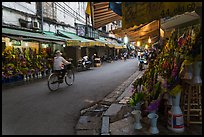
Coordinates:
137	99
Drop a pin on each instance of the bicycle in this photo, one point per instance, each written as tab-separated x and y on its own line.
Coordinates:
54	78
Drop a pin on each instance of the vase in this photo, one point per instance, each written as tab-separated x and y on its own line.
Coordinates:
138	106
36	76
137	116
197	72
31	76
39	75
175	115
44	73
188	71
153	123
24	78
28	78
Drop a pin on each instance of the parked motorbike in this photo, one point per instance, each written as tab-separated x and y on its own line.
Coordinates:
83	65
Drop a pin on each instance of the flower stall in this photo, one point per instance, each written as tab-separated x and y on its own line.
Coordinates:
25	61
165	73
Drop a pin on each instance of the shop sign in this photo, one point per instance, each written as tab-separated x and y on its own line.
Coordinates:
136	13
86	31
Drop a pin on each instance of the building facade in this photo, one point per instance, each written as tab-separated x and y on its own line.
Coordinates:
33	27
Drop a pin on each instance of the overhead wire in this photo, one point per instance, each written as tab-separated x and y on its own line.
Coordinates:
68	12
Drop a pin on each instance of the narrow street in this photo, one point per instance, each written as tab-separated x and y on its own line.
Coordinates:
33	110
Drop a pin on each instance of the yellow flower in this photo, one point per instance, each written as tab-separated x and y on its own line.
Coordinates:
176	90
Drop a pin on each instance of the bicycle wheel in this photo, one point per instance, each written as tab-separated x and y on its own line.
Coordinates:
69	77
53	83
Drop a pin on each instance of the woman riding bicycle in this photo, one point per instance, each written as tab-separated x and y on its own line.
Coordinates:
58	65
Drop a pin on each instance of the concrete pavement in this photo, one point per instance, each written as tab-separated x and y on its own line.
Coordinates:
96	119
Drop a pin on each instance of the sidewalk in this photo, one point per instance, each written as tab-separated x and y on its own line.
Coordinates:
96	119
112	116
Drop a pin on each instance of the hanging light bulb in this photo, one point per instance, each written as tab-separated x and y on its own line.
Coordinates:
138	43
146	46
149	40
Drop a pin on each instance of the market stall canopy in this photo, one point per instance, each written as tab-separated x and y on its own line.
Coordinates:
52	34
96	42
28	35
179	20
102	14
136	13
120	46
75	40
140	33
116	7
102	41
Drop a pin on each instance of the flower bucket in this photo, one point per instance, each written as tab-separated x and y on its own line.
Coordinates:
28	78
31	76
138	106
24	78
35	76
175	115
137	115
197	72
153	123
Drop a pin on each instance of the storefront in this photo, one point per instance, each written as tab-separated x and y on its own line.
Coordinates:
27	55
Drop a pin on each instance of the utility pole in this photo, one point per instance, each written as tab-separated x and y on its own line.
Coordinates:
42	17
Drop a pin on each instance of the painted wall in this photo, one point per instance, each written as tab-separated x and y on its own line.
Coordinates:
27	7
66	12
11	17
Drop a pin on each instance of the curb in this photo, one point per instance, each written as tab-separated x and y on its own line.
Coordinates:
105	130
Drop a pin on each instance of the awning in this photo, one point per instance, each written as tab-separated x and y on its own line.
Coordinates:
101	42
140	33
120	46
75	40
92	43
72	36
53	35
136	13
27	35
179	20
116	7
103	15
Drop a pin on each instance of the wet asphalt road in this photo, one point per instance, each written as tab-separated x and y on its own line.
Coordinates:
33	110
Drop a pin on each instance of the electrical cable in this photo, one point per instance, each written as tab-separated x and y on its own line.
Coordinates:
67	11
